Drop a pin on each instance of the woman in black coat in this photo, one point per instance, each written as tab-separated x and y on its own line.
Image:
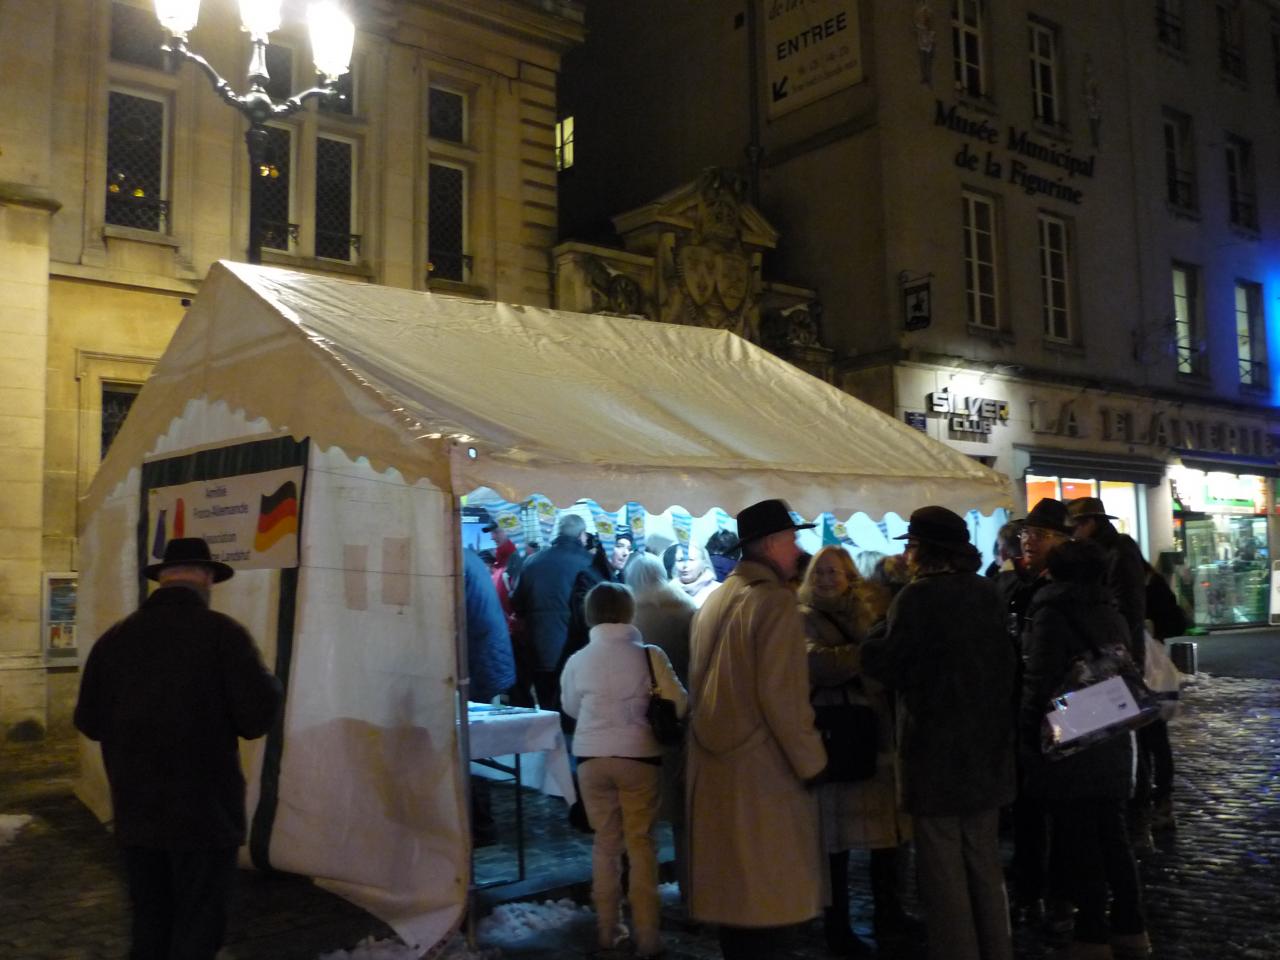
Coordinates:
1085	792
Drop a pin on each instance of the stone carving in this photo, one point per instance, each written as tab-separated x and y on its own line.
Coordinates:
612	292
708	278
926	40
798	326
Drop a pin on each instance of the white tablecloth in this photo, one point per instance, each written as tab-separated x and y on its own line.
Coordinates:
499	733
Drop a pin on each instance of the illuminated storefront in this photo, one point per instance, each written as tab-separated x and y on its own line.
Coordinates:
1220	528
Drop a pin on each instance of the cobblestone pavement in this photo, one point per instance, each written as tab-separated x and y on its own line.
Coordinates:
1212	886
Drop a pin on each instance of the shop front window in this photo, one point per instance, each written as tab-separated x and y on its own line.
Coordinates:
1222	522
1119	498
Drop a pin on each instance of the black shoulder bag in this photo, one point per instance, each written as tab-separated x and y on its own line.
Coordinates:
849	732
668	728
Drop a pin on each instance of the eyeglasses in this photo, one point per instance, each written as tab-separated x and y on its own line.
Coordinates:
1033	534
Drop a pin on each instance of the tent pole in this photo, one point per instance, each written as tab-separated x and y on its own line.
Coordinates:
463	696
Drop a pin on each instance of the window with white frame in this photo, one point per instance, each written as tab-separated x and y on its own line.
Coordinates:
980	260
1186	319
564	143
968	40
1043	52
137	175
1055	278
447	221
1170	26
1251	342
1241	186
335	199
1179	161
1230	39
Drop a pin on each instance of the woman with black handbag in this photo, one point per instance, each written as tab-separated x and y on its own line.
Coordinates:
858	806
606	687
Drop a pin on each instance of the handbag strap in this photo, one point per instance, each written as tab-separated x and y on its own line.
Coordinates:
648	660
837	624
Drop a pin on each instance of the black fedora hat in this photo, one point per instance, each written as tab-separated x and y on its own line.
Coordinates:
1048	514
938	525
189	552
767	517
1086	508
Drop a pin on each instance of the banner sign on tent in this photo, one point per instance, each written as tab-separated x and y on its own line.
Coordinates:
683	524
250	521
635	520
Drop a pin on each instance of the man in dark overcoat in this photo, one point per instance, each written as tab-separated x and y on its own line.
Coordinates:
167	692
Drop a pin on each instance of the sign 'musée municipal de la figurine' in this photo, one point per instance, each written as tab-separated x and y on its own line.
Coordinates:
1009	164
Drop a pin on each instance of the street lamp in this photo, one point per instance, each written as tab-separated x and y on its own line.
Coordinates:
332	37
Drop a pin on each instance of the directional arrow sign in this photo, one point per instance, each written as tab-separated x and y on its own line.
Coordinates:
779	89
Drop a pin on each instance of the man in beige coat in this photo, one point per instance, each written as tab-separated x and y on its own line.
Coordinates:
755	860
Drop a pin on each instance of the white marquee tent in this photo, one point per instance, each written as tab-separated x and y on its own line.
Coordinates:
408	401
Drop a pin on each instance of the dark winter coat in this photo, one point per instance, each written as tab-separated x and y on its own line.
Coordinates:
1126	578
541	598
489	657
167	691
946	652
1065	621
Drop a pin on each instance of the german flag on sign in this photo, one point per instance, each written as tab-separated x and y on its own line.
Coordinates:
277	517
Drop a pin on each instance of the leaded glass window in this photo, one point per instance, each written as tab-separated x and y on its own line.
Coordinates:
446	221
446	115
277	185
335	169
135	161
117	400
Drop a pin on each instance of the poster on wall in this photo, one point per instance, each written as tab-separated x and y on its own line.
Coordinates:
813	48
58	613
250	520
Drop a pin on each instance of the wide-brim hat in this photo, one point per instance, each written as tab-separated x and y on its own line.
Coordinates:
765	518
189	552
1086	508
1048	514
936	525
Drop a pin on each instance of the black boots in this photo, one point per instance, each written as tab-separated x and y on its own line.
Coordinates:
841	940
891	920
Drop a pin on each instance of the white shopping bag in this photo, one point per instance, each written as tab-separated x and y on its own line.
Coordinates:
1085	716
1162	677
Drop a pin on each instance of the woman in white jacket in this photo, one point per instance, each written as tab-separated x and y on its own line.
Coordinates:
605	687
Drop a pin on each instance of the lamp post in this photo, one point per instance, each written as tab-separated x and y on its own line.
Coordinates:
332	37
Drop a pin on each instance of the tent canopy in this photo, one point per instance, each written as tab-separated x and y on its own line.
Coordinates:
527	400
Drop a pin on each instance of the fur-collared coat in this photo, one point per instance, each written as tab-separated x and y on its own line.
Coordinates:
863	815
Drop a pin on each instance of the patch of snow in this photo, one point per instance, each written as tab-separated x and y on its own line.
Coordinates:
10	825
513	922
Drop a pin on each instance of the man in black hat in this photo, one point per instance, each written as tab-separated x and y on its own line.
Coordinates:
167	692
755	862
946	654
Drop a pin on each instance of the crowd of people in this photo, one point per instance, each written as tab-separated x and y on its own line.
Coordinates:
952	669
756	646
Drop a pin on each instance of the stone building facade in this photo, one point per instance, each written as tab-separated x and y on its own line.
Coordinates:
1005	208
122	181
